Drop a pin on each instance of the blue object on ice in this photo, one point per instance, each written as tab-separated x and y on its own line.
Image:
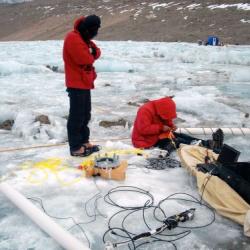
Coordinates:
213	41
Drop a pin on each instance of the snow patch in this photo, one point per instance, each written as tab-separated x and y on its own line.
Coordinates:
245	21
194	6
162	5
239	6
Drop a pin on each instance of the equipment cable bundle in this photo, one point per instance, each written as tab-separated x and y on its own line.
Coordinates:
124	236
161	163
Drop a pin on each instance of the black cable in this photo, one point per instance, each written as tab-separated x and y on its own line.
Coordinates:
134	211
108	199
204	187
176	234
116	214
78	225
96	197
183	234
194	200
122	231
129	210
60	218
117	228
158	240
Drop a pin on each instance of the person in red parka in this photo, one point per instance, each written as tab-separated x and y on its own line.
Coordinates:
154	127
153	119
79	55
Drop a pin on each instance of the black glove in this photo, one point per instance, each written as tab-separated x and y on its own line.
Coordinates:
93	51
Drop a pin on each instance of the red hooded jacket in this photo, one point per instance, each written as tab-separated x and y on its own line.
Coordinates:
78	60
150	119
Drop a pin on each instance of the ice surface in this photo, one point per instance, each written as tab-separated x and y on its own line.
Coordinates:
211	87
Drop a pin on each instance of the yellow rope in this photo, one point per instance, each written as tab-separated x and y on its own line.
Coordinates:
54	166
33	180
73	181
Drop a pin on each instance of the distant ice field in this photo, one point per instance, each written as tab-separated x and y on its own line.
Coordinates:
211	86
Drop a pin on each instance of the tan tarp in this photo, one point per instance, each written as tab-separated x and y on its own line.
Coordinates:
217	193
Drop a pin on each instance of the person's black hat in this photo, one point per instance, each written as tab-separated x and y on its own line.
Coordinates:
92	21
88	28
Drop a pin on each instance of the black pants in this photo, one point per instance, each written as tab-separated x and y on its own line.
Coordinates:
179	138
79	117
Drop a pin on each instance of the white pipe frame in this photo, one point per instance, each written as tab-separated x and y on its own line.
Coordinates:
209	131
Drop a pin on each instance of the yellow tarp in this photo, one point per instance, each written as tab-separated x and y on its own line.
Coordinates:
217	193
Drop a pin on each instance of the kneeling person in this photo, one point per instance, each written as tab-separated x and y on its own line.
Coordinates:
154	127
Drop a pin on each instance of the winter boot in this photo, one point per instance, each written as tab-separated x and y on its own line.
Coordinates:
217	141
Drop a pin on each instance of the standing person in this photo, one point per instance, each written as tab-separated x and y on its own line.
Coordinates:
79	55
154	127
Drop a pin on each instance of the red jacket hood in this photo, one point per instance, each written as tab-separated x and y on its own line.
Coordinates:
77	22
165	108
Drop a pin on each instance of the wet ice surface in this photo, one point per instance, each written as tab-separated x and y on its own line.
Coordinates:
211	87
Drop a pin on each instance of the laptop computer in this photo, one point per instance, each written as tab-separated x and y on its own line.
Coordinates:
227	155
